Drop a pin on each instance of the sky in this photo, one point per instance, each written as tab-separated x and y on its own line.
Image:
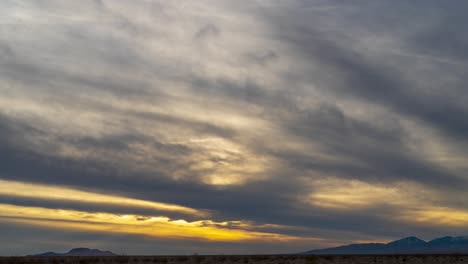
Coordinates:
231	127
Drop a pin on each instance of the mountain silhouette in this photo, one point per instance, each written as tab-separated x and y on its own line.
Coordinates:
77	252
408	245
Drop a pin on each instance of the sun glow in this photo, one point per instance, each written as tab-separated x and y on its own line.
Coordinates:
226	163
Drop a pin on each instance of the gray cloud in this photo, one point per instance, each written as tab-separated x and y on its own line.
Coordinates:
244	112
207	31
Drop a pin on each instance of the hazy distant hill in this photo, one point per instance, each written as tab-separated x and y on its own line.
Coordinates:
78	252
409	245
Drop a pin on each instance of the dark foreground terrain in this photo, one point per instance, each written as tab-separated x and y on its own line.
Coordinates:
260	259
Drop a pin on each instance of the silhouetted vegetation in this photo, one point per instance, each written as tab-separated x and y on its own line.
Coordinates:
254	259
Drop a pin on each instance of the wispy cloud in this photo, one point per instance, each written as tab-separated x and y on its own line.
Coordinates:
47	192
300	119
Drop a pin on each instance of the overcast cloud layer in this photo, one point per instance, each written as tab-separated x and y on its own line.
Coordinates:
215	126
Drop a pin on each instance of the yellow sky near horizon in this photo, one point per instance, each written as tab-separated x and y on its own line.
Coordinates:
332	194
156	225
152	226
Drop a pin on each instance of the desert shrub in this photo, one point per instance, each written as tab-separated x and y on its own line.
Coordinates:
289	257
259	258
123	260
221	259
94	260
235	258
182	258
197	259
311	259
162	260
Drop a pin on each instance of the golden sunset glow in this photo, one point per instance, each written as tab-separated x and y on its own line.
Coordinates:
39	191
160	227
342	194
412	204
434	215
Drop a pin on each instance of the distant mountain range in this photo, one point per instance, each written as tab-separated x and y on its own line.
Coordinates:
409	245
77	252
